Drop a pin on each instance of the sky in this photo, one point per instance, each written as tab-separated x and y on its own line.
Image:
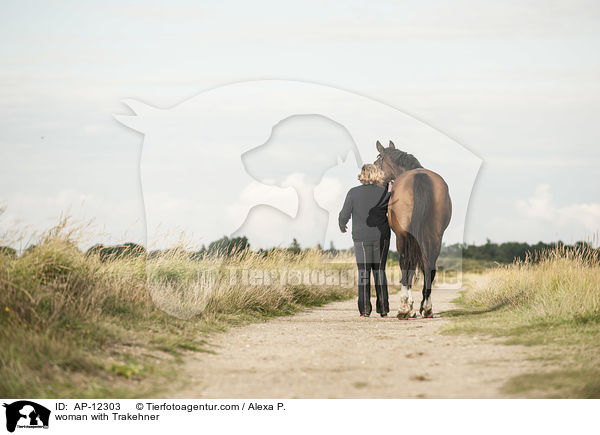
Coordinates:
516	83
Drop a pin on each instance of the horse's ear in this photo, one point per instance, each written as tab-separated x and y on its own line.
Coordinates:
392	145
379	147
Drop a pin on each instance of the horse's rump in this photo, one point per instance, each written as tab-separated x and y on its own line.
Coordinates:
419	212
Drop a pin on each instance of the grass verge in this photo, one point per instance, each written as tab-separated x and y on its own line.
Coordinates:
551	304
79	326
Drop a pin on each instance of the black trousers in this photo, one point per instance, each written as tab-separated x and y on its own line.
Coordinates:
371	257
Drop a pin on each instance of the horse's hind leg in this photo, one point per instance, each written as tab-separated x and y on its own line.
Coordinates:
406	310
426	305
428	277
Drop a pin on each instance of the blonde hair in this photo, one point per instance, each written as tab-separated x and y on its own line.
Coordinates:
370	174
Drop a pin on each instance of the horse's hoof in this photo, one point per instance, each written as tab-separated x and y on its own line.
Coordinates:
405	311
406	314
402	315
428	313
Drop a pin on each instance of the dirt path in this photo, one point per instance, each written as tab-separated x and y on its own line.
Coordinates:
330	352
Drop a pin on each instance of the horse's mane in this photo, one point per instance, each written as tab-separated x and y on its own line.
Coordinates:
404	160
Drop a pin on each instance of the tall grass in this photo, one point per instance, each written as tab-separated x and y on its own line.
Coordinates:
560	285
551	302
75	325
241	282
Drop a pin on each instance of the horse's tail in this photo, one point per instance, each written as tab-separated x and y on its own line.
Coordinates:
419	221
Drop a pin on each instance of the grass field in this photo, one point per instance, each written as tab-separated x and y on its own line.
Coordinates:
78	325
72	325
551	304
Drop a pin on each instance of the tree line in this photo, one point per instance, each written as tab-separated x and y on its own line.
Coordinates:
505	252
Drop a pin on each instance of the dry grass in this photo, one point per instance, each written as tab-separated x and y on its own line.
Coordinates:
551	304
564	285
72	325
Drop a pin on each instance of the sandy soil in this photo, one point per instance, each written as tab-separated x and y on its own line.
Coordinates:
330	352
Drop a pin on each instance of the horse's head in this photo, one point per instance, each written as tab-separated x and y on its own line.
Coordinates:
394	162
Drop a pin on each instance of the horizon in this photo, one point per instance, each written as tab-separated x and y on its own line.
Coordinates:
593	241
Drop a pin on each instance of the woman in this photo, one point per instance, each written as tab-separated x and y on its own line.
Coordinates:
367	206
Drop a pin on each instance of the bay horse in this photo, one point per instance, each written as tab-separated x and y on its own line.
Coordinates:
419	212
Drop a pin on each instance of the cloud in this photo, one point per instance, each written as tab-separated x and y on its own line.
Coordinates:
461	19
542	207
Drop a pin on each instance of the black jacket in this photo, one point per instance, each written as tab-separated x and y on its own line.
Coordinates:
367	205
